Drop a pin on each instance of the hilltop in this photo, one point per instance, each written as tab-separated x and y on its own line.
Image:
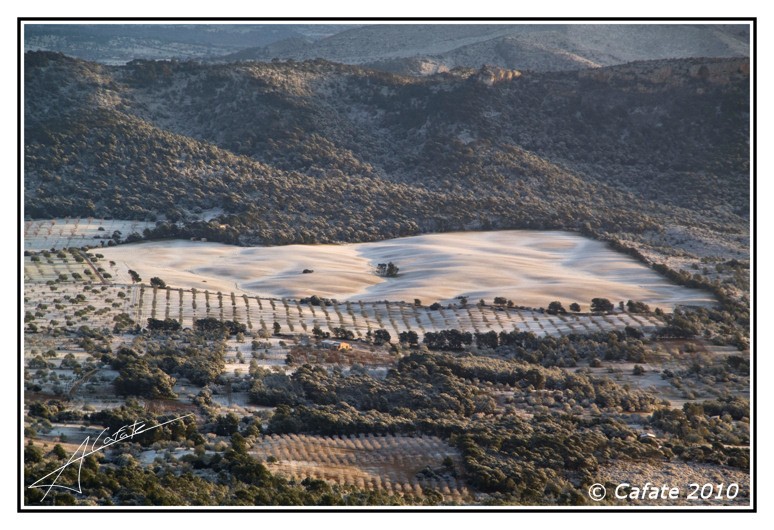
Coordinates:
416	49
420	49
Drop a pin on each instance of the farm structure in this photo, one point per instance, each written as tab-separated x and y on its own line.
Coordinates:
335	345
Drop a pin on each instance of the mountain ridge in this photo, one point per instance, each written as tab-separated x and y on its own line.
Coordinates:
419	49
396	155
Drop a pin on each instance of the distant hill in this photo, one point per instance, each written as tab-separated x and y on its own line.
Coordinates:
430	48
317	151
415	49
121	43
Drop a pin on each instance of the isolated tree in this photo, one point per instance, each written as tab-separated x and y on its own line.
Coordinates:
637	307
277	328
500	301
158	282
135	277
409	337
575	306
601	305
556	308
381	336
342	333
390	270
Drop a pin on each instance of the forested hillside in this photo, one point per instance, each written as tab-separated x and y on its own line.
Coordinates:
320	152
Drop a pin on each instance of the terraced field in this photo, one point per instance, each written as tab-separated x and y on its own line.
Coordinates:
70	288
397	464
65	233
74	304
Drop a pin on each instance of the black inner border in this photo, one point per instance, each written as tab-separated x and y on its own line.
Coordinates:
20	249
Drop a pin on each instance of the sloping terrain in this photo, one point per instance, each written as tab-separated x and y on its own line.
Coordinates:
532	268
651	156
121	43
411	48
319	152
539	47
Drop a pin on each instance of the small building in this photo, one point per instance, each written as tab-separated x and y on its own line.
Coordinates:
335	345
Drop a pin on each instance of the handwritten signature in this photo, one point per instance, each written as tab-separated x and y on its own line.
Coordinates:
87	449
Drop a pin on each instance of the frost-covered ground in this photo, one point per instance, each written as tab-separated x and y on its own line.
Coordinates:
532	268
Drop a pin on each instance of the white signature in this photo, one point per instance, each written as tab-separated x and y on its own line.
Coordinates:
125	432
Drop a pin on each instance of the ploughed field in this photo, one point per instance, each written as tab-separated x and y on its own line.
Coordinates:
260	286
397	464
532	268
86	301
